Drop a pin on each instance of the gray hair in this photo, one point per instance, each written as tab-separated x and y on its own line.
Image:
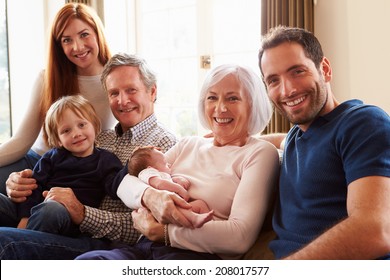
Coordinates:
261	108
122	59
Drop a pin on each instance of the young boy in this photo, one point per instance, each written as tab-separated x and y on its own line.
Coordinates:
71	125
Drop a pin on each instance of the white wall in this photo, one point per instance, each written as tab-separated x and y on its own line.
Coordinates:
355	37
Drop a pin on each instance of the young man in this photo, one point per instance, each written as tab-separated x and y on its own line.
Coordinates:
334	198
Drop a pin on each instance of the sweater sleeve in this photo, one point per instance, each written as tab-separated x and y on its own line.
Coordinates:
112	173
27	132
41	173
247	214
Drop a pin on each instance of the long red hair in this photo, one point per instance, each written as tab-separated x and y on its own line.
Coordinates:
61	74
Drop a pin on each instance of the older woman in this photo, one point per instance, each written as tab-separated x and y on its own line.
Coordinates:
233	172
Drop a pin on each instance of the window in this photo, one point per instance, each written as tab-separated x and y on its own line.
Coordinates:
168	40
5	119
173	35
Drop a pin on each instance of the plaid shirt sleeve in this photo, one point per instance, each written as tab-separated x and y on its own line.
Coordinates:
112	221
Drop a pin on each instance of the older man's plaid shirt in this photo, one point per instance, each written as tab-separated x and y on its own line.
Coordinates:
113	219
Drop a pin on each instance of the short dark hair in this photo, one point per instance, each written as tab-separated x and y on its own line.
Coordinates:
281	34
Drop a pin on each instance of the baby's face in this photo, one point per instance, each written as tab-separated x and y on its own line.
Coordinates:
159	162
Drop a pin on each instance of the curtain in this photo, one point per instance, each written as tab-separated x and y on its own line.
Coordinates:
295	13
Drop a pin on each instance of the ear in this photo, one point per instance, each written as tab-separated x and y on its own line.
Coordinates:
153	93
326	69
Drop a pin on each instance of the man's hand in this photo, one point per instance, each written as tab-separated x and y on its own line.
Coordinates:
66	197
20	185
163	206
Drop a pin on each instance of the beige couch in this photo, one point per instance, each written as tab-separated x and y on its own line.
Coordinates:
260	250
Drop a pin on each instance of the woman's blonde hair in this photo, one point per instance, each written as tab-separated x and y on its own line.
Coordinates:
61	74
77	104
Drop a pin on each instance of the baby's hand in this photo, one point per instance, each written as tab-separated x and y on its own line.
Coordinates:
169	185
181	191
184	182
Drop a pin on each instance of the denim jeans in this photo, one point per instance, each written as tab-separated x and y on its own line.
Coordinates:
27	162
147	250
24	244
8	212
51	216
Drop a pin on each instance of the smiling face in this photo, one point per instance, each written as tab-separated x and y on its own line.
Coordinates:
227	112
80	45
297	88
76	134
130	101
